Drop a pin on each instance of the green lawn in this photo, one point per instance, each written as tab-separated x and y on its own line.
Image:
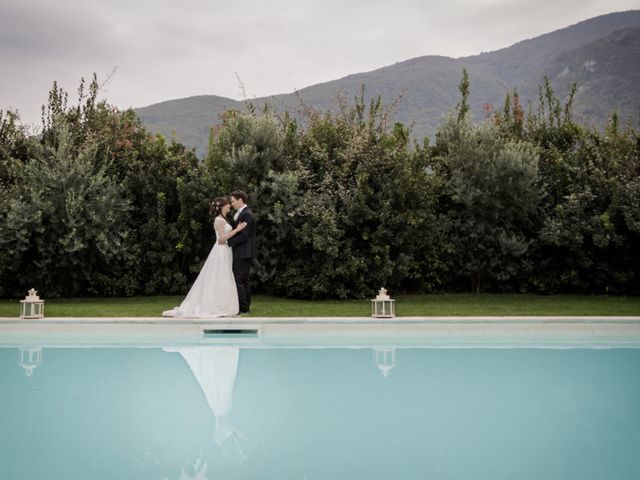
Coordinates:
406	305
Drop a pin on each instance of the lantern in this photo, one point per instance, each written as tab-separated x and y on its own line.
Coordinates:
32	306
382	306
30	358
385	360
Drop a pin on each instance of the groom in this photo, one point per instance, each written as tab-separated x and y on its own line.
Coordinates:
243	245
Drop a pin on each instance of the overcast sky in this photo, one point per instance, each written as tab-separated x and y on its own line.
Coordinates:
163	50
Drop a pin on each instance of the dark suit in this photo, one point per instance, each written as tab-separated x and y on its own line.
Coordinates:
244	250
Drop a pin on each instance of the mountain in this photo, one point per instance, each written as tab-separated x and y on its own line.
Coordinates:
600	55
606	73
188	118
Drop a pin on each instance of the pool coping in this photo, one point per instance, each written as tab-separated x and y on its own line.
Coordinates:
266	332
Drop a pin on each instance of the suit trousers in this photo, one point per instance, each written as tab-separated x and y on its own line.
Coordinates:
241	270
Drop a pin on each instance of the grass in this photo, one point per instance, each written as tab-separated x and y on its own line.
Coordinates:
406	305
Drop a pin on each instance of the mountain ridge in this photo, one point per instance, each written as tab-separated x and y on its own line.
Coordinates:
428	84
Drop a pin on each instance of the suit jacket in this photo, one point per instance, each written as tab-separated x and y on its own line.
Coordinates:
243	243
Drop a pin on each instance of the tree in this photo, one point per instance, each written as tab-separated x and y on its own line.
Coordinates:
589	237
584	242
463	108
490	194
166	232
16	146
62	225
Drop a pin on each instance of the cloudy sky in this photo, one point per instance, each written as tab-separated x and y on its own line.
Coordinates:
148	51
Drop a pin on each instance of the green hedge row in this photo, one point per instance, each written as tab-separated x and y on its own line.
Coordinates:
346	203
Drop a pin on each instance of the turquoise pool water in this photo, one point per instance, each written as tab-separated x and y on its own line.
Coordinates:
267	413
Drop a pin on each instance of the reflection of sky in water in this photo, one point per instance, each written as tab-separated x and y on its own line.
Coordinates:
221	412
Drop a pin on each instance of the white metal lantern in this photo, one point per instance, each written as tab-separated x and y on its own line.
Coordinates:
30	358
383	306
385	360
32	306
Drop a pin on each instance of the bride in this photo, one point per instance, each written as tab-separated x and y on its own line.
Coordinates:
214	293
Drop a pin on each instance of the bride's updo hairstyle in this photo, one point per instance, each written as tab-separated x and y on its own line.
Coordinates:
216	206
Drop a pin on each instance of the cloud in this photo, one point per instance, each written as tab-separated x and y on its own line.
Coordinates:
42	31
165	50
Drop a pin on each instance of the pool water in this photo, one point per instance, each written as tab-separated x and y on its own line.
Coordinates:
224	412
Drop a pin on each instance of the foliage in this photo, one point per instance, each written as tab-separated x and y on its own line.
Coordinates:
16	146
163	234
343	205
587	238
63	224
490	191
529	200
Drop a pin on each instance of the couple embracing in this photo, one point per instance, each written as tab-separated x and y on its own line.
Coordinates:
222	288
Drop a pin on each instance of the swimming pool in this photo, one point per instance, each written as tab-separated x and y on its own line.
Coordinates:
346	407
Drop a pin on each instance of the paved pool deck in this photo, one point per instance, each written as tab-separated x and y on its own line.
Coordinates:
483	331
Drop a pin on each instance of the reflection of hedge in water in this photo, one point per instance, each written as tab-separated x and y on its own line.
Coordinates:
523	202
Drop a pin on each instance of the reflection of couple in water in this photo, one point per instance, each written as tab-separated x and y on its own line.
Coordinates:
215	370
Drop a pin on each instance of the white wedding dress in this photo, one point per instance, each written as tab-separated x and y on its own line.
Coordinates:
214	293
